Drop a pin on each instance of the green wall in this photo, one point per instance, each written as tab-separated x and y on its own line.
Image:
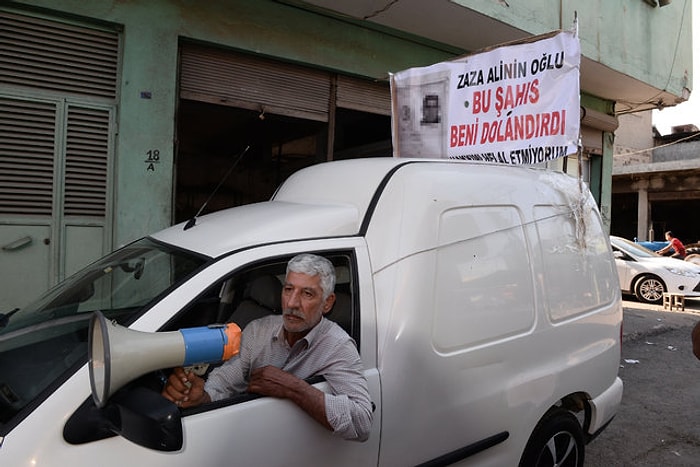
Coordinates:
627	35
148	98
650	44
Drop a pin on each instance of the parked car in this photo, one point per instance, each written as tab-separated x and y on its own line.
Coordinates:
653	246
648	275
488	318
692	249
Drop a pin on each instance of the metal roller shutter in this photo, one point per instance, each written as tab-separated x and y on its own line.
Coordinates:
87	149
362	95
60	127
28	156
37	53
27	152
225	78
593	124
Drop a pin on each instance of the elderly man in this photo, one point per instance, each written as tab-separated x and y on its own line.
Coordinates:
278	352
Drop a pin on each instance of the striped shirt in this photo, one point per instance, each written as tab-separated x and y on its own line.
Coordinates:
326	350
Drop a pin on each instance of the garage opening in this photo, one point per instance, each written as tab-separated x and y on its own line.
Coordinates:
679	217
288	115
623	221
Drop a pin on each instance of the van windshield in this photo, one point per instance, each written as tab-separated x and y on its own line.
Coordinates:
45	342
633	249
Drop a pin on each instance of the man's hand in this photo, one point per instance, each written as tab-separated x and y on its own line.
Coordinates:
271	381
185	389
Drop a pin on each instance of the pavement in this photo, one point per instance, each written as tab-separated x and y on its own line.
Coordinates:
657	421
641	320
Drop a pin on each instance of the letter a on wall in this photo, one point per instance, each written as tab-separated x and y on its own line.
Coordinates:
514	104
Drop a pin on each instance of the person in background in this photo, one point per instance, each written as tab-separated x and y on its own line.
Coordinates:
675	244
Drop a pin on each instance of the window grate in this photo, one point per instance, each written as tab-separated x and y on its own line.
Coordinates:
87	150
50	55
27	152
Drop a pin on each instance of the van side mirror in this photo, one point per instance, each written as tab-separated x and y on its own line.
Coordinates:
138	414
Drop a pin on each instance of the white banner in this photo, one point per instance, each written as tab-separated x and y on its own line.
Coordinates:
515	104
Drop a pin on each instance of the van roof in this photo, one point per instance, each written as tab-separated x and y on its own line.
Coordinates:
325	200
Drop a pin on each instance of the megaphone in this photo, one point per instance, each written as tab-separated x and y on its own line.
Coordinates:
118	355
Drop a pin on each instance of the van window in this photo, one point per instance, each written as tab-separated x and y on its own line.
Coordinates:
578	273
484	288
255	291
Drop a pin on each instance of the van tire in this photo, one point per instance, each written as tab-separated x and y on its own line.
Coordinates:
649	289
558	429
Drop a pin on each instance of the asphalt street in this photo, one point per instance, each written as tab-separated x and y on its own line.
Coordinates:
658	423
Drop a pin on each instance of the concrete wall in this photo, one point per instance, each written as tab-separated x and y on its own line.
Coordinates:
651	44
634	139
684	151
628	35
151	33
634	133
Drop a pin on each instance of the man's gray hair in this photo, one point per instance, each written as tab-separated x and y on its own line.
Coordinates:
314	265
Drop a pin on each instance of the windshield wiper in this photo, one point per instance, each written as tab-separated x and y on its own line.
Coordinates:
5	317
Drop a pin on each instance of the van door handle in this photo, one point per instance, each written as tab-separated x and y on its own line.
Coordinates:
18	244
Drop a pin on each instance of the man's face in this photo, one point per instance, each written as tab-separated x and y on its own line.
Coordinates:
302	302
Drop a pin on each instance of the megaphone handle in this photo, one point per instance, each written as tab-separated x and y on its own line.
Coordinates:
199	369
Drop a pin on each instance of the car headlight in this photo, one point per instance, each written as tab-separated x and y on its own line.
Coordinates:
682	272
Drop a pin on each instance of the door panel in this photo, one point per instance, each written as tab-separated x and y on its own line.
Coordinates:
273	432
83	245
263	432
25	259
623	272
56	142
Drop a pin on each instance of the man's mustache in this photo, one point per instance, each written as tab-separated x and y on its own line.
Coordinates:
296	314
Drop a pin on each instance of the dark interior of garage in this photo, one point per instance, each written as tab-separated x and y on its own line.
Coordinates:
679	216
210	139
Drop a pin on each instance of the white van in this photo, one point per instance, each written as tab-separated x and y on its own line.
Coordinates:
483	299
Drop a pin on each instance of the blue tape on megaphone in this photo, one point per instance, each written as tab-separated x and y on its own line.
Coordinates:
203	344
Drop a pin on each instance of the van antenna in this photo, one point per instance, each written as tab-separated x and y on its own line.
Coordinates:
193	220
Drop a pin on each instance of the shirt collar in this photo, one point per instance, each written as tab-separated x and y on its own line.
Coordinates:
278	334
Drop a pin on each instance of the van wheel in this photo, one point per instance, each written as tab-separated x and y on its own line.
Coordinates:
649	289
556	441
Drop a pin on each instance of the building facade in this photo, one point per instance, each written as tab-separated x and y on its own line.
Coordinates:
656	181
120	118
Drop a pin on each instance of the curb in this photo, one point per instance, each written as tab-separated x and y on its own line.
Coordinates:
640	322
635	336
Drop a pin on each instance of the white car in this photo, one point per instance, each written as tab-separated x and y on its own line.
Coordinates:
648	275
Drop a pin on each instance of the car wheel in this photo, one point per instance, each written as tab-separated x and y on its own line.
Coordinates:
649	289
556	441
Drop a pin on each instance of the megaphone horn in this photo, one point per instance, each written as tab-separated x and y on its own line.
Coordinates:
118	355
